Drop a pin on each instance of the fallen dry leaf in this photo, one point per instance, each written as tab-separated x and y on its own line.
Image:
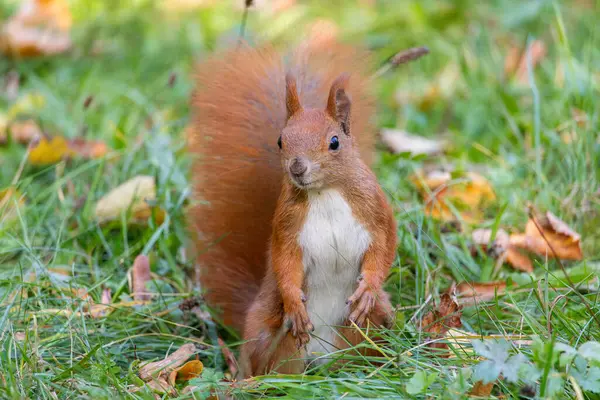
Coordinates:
468	195
158	374
48	151
10	202
439	320
186	5
94	310
502	249
40	27
135	194
477	292
516	61
402	142
481	389
140	275
23	132
555	237
190	370
3	129
44	151
87	149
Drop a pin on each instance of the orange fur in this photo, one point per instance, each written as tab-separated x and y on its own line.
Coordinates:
249	215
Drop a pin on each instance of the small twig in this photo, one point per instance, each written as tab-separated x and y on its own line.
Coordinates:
562	267
247	5
402	58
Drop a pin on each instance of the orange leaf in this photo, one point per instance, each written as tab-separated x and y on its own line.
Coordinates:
88	149
476	292
44	151
555	235
481	389
40	27
468	195
502	248
536	52
189	370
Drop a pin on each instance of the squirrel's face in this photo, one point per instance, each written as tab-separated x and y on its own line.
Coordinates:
314	149
316	145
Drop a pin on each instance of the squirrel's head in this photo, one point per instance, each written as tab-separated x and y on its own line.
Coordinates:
316	145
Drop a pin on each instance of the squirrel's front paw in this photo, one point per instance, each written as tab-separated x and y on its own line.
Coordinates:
363	301
296	318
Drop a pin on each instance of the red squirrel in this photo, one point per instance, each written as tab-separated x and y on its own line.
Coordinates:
295	237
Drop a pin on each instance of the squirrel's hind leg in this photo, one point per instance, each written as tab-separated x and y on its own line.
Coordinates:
268	345
348	336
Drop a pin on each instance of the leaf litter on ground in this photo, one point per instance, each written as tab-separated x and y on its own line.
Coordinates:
469	194
39	27
545	236
161	375
134	195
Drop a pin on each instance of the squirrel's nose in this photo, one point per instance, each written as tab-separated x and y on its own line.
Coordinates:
299	166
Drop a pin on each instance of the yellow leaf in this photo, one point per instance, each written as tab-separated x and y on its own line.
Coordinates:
26	104
48	151
189	370
133	194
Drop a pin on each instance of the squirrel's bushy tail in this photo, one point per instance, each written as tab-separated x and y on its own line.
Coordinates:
238	112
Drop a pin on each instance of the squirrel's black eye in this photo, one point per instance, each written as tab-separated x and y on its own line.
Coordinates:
334	143
279	142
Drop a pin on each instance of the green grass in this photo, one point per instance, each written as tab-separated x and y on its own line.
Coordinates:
510	133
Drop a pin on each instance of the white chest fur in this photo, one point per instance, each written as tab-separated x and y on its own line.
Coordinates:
333	243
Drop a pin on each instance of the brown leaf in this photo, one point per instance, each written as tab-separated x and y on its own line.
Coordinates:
555	235
87	149
468	195
134	195
40	27
401	142
141	275
439	321
24	132
164	367
476	292
190	370
481	389
501	248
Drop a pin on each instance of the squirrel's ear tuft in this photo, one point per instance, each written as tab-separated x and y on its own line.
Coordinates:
338	103
292	102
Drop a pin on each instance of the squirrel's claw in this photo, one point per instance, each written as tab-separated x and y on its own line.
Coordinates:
364	300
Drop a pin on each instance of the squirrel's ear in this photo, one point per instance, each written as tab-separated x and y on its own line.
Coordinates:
292	102
338	103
